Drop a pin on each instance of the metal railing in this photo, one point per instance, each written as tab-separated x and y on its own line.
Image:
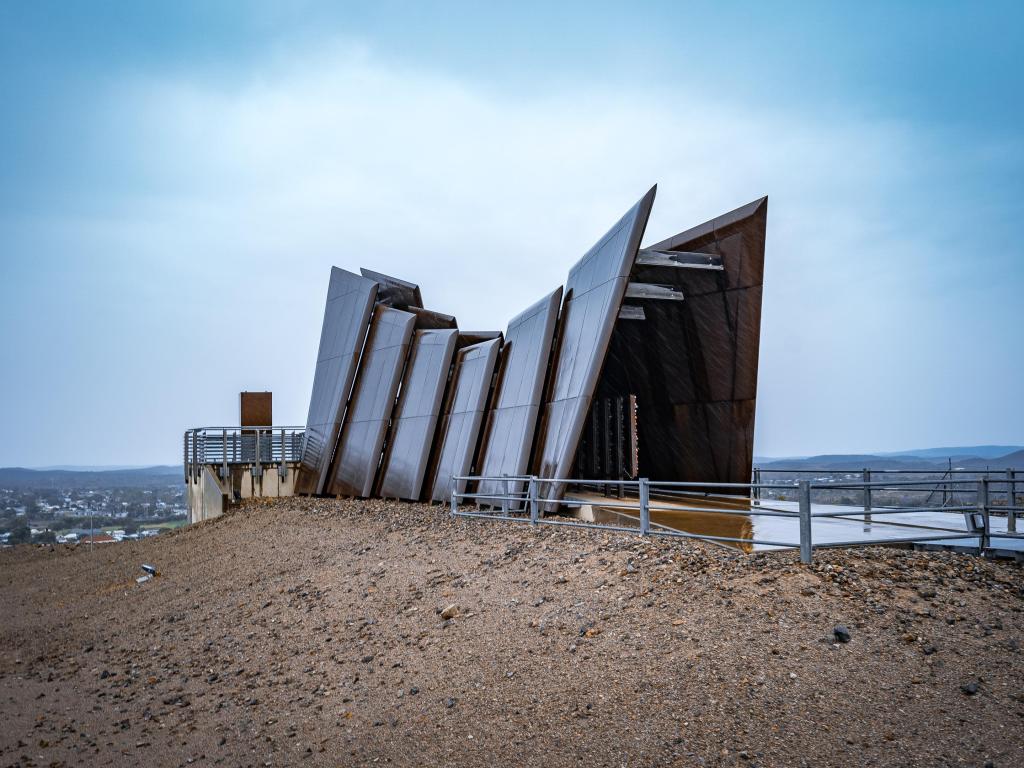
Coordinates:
524	496
253	447
945	489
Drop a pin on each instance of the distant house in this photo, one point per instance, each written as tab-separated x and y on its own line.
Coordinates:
99	538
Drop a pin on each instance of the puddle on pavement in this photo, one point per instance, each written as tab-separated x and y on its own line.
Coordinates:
688	521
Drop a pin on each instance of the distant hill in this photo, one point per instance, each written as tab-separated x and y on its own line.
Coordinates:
960	451
1013	460
20	477
98	467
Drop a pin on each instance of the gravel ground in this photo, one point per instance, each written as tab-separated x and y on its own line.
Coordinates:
322	632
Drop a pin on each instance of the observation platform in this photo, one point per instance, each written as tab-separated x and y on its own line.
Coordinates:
224	465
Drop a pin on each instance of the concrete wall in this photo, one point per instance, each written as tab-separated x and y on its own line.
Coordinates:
209	495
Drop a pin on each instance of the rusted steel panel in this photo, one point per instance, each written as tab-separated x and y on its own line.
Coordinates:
394	292
459	430
512	421
255	409
594	295
693	364
373	398
428	318
416	415
346	317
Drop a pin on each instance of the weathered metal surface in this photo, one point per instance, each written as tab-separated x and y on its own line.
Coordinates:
373	398
653	291
512	421
346	317
594	295
680	259
693	364
415	418
459	431
664	340
255	409
428	318
394	292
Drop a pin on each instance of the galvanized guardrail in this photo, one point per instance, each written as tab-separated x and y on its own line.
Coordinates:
252	447
524	496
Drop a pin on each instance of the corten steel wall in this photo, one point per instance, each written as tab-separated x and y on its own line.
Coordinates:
373	398
512	422
346	317
693	363
594	294
255	409
459	431
415	419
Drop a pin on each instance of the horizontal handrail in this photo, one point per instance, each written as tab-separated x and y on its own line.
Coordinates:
523	493
859	470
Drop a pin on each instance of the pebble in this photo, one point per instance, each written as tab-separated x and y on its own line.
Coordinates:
842	634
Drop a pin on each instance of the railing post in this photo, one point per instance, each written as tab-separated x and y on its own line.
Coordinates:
224	454
806	545
257	469
455	498
983	540
534	504
282	471
645	506
756	490
195	456
1011	501
504	497
867	495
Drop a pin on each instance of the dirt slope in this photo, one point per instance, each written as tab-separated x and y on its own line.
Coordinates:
309	632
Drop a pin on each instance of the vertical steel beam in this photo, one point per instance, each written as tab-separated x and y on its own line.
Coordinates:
982	501
645	506
867	495
282	470
806	545
534	505
1011	501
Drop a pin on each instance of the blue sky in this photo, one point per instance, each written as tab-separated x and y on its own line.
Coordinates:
177	179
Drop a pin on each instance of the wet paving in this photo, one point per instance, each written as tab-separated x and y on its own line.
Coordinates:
773	523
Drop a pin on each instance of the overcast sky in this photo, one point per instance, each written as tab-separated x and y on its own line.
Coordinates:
176	180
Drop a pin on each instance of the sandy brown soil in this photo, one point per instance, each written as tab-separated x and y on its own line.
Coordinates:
309	632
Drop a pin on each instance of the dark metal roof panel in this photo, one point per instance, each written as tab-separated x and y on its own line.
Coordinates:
459	431
416	414
346	317
362	435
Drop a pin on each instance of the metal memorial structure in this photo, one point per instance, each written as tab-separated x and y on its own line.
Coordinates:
643	365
